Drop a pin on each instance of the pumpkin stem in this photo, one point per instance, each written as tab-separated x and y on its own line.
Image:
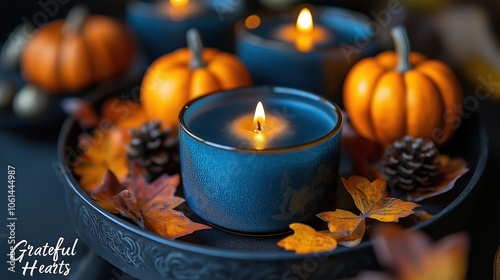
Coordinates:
75	19
402	45
196	46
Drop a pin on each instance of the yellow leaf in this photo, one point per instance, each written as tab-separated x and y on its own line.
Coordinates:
104	150
347	228
364	193
170	223
306	240
344	227
370	198
341	221
390	209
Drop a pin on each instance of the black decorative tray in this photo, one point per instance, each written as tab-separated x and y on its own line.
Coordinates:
216	254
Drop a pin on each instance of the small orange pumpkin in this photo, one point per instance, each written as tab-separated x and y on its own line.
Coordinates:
175	78
402	93
69	55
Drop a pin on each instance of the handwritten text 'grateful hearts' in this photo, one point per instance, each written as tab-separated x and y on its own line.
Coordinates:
22	251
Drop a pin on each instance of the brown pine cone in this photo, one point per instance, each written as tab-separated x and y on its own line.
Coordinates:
410	163
155	150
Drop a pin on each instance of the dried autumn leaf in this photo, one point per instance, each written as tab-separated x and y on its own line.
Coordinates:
149	205
347	228
423	215
103	150
159	195
81	110
109	187
372	200
124	114
450	170
306	240
411	255
170	223
156	202
126	204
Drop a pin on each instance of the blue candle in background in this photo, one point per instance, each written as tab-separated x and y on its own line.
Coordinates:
276	52
246	172
161	25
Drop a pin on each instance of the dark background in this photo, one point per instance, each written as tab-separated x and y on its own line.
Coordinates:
41	206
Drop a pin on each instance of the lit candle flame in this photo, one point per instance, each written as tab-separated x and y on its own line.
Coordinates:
305	21
304	40
178	3
259	118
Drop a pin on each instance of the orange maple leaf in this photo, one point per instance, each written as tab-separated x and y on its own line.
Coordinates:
119	113
103	150
151	206
124	114
411	255
125	203
307	240
372	200
156	202
109	187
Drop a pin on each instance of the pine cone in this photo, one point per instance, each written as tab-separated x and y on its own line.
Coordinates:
154	149
410	163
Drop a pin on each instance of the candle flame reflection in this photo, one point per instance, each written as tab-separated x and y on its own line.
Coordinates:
259	118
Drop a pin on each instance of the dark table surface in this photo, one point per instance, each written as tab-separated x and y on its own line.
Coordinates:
42	216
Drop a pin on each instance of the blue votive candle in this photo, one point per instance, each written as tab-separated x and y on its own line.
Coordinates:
312	50
161	25
257	159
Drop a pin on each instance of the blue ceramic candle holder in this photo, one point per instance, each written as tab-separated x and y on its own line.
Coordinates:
160	32
322	69
236	182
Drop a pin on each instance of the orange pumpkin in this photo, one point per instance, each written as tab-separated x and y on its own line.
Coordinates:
402	93
69	55
175	78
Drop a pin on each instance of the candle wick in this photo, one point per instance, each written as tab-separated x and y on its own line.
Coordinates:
259	128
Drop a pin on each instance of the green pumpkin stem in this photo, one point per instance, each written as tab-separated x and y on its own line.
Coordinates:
195	45
402	45
75	19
